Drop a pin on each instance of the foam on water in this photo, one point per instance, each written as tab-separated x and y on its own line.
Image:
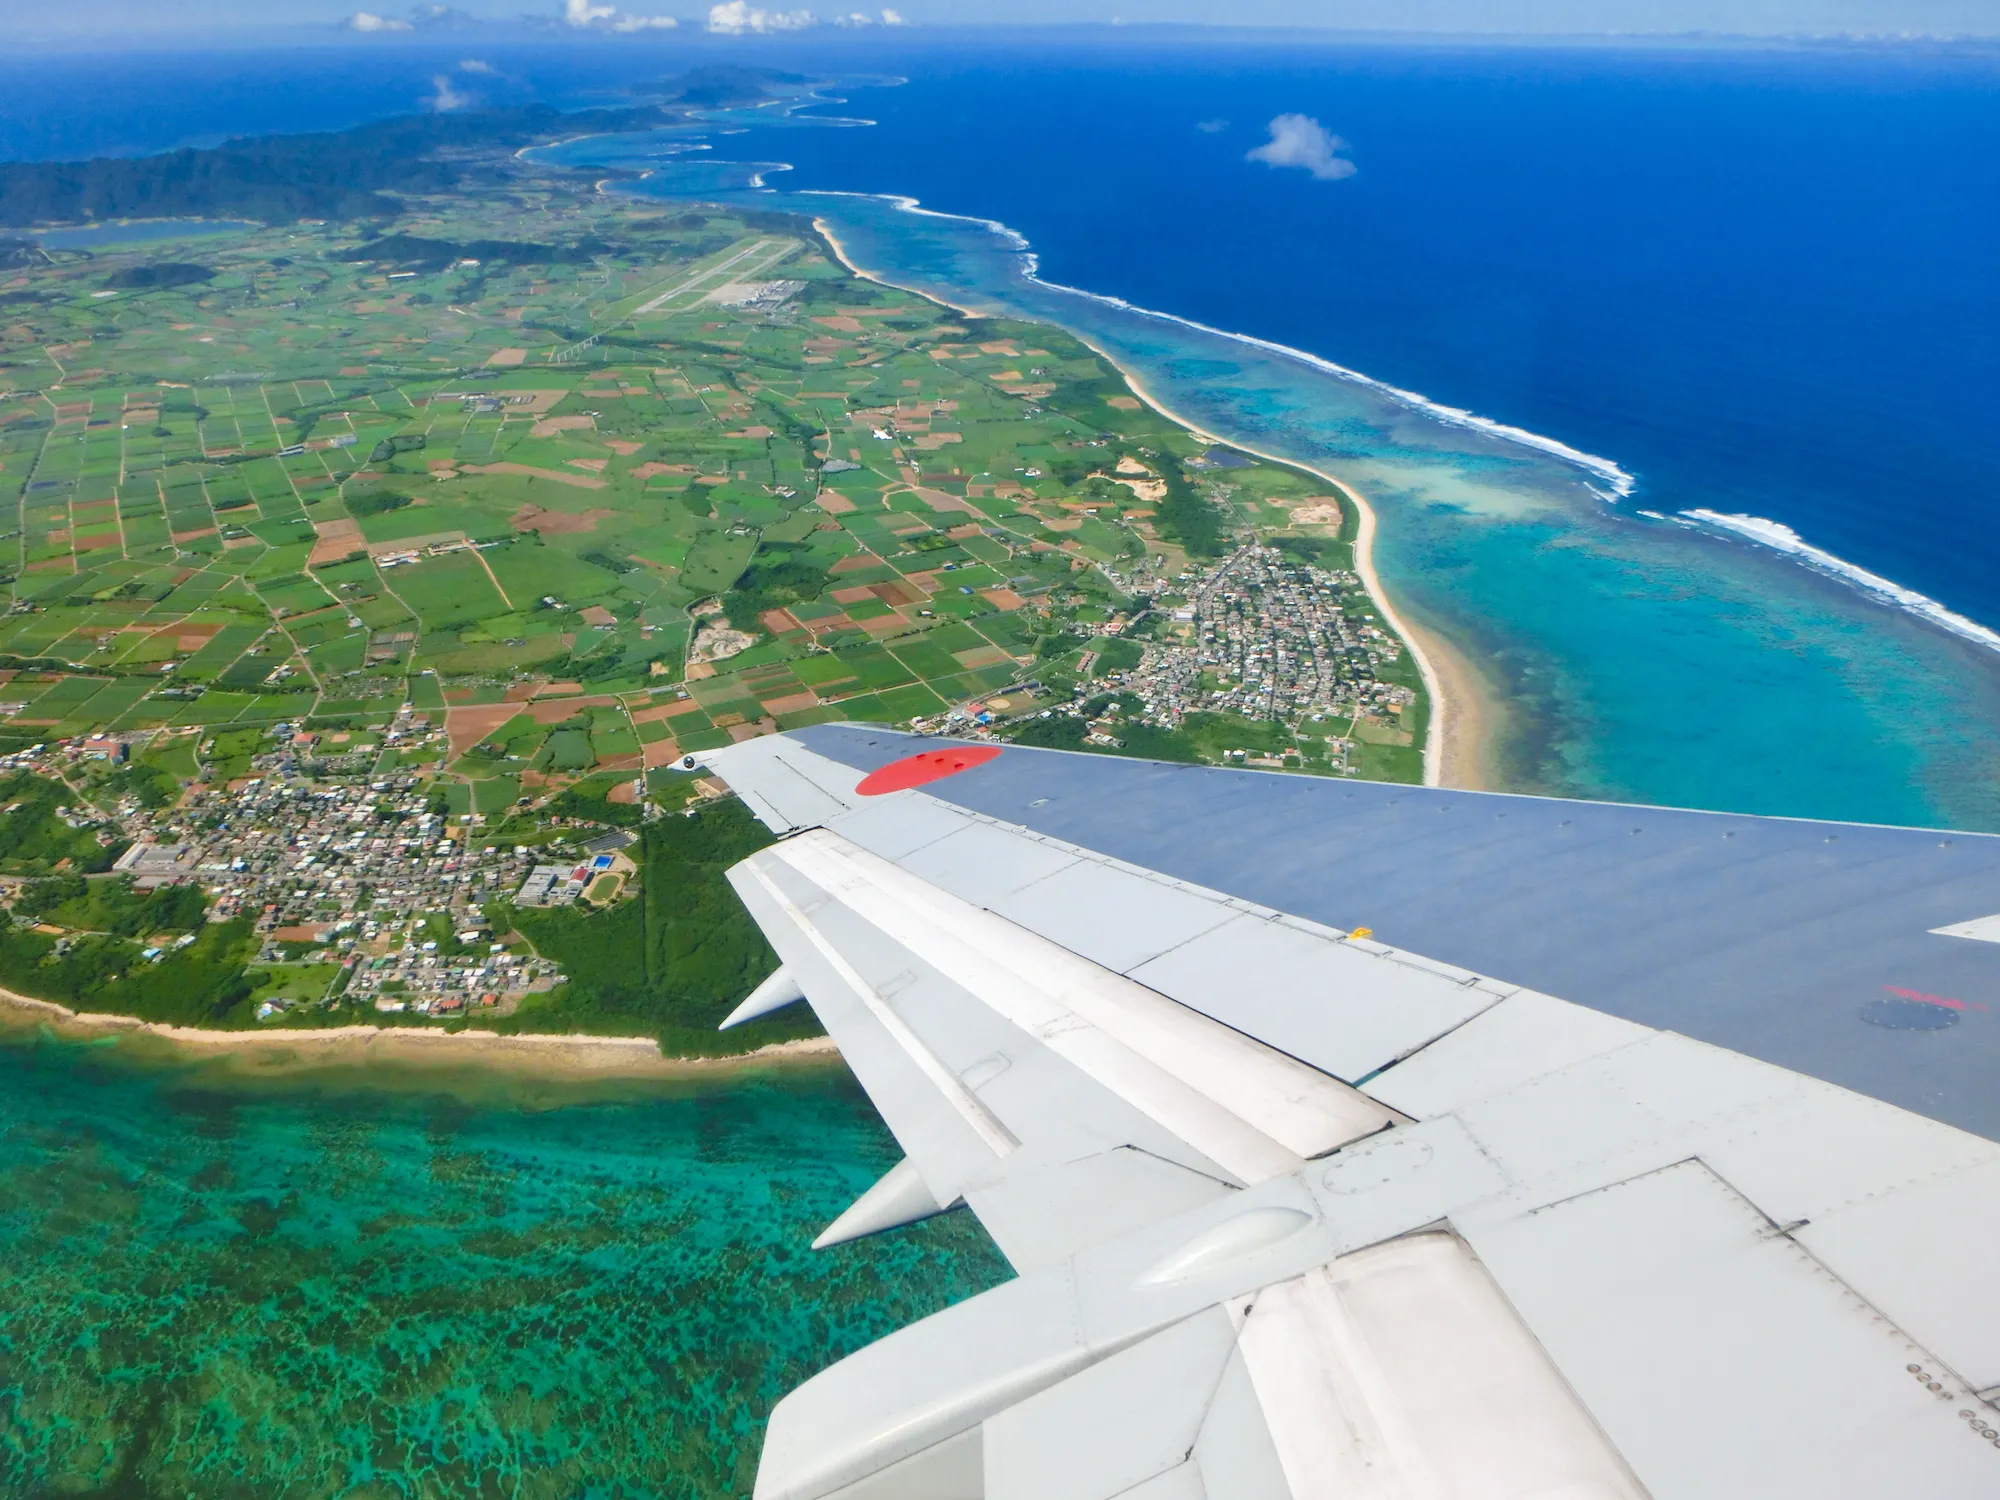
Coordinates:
1782	538
1620	483
1630	654
1617	482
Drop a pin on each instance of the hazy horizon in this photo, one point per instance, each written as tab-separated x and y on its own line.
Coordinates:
120	23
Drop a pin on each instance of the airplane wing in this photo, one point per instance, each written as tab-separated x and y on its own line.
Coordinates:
1370	1141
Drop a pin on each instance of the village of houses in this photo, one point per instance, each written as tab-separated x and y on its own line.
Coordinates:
355	874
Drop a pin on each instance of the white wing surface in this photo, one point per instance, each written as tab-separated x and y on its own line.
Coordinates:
1299	1214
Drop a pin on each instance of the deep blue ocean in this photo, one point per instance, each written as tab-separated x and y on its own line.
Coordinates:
1757	282
1761	282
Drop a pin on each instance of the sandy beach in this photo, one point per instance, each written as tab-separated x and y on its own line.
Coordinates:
1463	712
572	1057
1458	754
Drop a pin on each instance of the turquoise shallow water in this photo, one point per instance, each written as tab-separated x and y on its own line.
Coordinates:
215	1288
1633	657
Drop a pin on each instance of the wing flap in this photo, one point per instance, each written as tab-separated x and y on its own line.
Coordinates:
1945	1228
1306	991
1234	1454
1245	1106
1721	1358
1125	1421
1064	1103
942	1126
786	785
1605	1261
1401	1370
1523	1037
1040	1216
1347	1006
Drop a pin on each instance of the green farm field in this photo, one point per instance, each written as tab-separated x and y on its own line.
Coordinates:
346	469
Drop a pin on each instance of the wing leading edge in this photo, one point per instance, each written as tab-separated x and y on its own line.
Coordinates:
1298	1214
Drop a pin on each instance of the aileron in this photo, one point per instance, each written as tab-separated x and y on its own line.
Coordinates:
1299	1213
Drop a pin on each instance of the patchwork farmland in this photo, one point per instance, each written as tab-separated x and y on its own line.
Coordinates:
366	588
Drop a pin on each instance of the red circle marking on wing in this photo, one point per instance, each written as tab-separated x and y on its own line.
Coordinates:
926	766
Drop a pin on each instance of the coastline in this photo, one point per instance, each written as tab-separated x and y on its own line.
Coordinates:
1461	716
560	1057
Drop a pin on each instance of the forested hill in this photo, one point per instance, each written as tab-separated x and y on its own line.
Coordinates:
346	174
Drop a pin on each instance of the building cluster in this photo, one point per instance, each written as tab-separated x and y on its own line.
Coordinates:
560	885
400	556
1269	637
755	296
334	862
358	872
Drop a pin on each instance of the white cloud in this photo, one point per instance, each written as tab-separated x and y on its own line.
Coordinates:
474	65
1211	127
367	20
447	98
740	18
862	18
583	15
1301	141
893	18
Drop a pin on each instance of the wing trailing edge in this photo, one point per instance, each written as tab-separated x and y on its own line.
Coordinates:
1300	1214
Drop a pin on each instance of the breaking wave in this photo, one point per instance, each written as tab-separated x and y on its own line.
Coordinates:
1616	484
1781	538
1612	485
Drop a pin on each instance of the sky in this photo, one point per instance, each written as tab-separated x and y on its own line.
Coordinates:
114	22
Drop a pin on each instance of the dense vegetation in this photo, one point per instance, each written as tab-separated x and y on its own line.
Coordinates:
203	984
160	274
342	175
148	785
776	577
176	577
346	174
33	837
1057	731
112	906
1065	731
719	85
1184	515
586	800
671	963
374	502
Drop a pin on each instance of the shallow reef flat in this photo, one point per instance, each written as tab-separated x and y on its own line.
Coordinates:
217	1288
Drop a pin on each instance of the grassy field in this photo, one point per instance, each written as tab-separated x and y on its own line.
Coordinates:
324	482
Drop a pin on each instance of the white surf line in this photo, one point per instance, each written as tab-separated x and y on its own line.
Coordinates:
1364	567
1620	483
1781	538
1364	537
